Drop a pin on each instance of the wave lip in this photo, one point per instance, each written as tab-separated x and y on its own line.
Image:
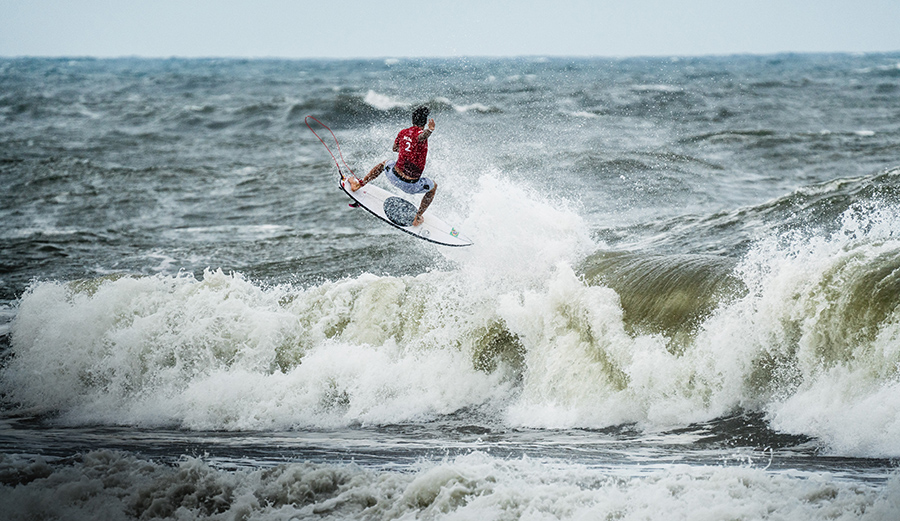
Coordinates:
665	294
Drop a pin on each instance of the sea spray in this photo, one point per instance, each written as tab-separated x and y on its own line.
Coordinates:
520	235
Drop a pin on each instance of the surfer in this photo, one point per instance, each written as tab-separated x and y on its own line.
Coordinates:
406	171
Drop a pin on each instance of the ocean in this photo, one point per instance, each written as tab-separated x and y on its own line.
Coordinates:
682	301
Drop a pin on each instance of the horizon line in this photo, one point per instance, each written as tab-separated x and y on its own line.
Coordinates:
436	57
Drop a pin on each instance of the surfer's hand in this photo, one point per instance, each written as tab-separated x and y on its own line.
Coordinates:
431	124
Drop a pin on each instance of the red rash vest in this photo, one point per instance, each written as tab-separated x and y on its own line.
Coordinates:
411	161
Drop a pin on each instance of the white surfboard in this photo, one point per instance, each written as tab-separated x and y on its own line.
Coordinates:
399	213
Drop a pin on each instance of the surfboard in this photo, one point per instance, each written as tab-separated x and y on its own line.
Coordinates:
399	213
394	210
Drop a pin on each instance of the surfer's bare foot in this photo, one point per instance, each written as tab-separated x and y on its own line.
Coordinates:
354	183
418	220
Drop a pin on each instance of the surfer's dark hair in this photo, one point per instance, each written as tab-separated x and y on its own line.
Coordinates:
420	116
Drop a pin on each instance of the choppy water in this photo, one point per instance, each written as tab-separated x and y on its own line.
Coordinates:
682	301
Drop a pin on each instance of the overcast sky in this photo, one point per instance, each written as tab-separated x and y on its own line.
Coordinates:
409	28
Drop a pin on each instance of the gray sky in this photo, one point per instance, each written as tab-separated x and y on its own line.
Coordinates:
409	28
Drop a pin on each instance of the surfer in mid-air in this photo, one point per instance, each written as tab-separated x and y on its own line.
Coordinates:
406	172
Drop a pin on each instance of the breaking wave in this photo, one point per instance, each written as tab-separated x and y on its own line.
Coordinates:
803	327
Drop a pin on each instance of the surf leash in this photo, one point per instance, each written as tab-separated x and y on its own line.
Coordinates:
341	154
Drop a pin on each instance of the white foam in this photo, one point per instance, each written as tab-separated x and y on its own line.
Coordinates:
583	114
852	413
657	88
223	353
829	380
112	485
584	369
383	102
473	107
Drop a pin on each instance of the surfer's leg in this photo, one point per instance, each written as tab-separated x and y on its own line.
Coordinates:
426	200
356	184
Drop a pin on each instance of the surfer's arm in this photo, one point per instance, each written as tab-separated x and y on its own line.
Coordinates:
356	184
425	134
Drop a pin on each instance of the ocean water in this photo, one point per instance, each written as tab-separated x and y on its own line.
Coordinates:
683	300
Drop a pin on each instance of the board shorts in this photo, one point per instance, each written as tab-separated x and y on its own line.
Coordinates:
422	185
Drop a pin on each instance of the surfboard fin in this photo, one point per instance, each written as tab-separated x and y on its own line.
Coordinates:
353	205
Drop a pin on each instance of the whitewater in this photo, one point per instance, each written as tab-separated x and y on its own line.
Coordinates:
683	299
